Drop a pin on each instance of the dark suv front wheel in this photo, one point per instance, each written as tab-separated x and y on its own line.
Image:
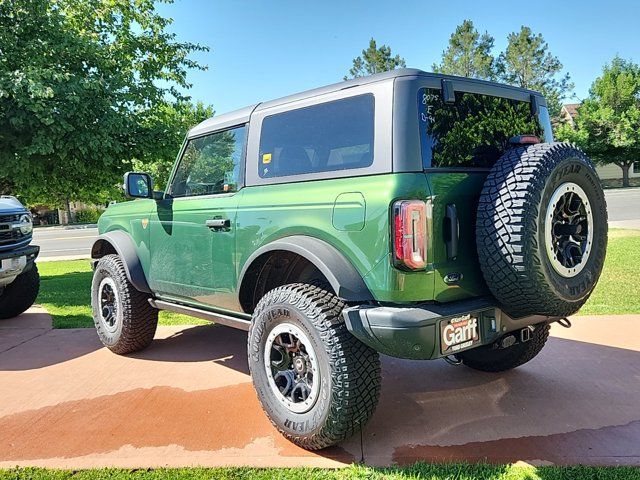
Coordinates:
20	294
317	383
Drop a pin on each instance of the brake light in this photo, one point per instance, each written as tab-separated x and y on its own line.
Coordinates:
410	234
524	140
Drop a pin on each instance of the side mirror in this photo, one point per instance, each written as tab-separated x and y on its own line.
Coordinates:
138	185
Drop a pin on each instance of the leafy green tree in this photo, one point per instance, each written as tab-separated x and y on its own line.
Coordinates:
608	121
468	54
375	60
527	63
80	82
169	124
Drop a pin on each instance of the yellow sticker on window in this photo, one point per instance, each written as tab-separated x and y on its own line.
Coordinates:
266	158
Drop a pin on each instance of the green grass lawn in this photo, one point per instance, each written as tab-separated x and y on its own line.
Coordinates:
418	471
65	293
618	290
65	286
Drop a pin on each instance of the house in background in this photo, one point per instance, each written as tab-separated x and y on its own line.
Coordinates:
605	172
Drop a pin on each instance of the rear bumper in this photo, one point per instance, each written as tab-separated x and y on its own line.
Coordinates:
415	332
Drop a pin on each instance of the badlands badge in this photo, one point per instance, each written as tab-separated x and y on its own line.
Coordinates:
458	333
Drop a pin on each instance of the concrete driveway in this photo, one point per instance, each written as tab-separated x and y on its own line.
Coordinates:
188	400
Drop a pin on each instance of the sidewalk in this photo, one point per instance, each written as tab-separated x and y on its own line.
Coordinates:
188	400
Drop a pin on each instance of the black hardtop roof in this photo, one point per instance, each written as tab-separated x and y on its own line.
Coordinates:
242	115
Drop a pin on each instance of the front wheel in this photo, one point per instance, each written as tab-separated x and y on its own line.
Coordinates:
124	320
20	294
316	382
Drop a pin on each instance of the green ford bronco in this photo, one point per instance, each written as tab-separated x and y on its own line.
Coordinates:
417	215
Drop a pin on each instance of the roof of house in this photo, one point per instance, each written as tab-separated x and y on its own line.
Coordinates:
571	109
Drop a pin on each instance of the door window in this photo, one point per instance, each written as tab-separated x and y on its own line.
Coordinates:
210	164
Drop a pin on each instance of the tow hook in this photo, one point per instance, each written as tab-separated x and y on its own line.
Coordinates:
452	360
565	322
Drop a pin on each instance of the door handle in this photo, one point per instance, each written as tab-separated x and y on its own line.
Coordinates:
452	231
218	223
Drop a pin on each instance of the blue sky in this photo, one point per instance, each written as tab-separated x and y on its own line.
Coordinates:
263	50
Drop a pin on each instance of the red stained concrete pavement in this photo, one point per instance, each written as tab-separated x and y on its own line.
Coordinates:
187	400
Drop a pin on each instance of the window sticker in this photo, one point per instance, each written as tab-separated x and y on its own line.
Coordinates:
266	158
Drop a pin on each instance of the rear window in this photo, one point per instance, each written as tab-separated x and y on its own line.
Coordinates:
472	132
327	137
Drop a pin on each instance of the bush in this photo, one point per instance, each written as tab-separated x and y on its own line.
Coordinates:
88	215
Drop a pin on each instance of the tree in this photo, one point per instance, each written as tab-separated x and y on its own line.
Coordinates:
170	123
608	121
527	63
80	82
468	54
375	60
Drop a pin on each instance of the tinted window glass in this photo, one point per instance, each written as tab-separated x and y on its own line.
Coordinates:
473	132
330	136
210	164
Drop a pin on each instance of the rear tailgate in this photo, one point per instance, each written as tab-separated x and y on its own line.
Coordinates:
457	271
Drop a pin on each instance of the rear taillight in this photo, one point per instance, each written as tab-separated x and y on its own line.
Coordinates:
410	234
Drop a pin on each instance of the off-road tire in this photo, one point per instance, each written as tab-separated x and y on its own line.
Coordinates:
20	294
489	359
510	230
349	370
136	320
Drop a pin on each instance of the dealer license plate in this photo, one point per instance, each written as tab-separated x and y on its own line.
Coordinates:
458	333
11	264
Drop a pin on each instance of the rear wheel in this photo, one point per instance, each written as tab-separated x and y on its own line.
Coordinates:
316	382
124	320
20	294
490	359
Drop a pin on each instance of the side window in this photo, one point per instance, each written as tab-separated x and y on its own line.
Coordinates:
210	164
326	137
472	132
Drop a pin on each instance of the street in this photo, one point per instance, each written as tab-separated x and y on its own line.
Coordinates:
623	205
70	243
64	244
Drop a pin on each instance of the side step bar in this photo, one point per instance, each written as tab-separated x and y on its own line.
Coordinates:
220	318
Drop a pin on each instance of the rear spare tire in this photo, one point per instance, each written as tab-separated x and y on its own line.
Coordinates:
541	230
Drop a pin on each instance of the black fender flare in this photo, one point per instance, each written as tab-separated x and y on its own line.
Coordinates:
340	272
125	247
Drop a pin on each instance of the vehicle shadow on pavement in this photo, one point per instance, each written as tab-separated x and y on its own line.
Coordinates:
222	345
29	342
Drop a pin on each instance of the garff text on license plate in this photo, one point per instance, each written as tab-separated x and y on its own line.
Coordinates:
459	333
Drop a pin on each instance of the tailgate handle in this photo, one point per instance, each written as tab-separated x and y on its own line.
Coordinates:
218	223
451	231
